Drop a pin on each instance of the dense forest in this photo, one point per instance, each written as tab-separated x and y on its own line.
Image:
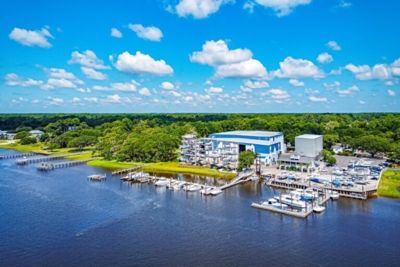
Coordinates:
156	137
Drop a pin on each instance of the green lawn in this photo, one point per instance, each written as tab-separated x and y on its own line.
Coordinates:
389	183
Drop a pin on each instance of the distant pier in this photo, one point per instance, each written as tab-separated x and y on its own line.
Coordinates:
24	160
52	166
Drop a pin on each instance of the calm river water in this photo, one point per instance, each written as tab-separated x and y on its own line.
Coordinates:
60	218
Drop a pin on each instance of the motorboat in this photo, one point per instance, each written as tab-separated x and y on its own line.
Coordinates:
319	180
255	177
337	173
337	182
361	182
194	188
207	190
215	192
272	202
305	195
347	183
162	181
292	201
334	195
283	175
319	208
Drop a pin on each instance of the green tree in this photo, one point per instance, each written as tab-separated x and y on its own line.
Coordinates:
246	159
331	160
28	140
21	135
374	144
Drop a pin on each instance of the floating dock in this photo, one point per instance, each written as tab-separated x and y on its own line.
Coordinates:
25	160
299	213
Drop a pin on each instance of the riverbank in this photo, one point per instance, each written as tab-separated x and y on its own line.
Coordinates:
169	167
389	184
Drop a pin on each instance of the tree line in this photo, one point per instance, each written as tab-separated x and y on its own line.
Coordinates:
156	137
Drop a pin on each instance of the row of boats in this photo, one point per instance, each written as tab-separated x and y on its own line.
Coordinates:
172	184
298	199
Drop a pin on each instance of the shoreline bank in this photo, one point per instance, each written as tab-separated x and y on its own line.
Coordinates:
168	167
389	184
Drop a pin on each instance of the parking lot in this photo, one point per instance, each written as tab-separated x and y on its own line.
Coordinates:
344	161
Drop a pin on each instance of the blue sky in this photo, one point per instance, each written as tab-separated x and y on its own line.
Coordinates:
199	56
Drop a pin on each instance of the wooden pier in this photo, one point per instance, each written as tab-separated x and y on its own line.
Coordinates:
35	160
122	171
52	166
242	178
13	156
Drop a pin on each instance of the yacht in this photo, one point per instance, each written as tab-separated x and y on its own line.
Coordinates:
272	202
319	209
194	188
161	182
255	177
334	195
293	201
206	190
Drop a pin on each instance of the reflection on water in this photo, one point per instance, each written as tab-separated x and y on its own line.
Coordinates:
60	218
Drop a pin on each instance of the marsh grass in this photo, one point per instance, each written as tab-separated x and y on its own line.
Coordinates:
389	184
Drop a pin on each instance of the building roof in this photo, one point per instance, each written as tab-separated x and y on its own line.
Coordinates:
250	133
309	136
244	141
286	158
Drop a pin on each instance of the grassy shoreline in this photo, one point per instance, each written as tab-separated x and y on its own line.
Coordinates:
168	167
389	183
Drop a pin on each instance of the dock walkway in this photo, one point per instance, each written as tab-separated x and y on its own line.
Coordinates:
52	166
242	178
49	158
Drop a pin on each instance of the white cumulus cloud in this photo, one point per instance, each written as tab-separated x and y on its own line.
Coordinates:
391	93
93	74
59	83
324	58
167	86
318	99
144	91
333	45
31	38
87	59
214	90
298	68
13	79
256	84
334	84
116	33
218	53
282	7
365	72
199	9
149	33
296	82
278	94
142	64
249	69
361	102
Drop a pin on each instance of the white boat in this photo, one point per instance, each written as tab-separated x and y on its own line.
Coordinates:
206	190
319	208
255	177
272	202
194	188
362	182
216	192
293	201
334	195
162	182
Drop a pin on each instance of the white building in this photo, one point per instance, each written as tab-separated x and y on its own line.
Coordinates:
309	145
